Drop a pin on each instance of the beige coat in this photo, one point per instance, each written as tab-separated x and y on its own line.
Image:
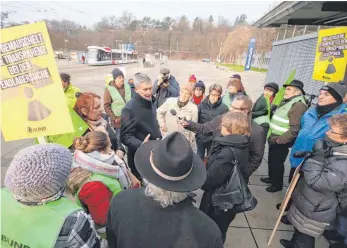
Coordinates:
165	118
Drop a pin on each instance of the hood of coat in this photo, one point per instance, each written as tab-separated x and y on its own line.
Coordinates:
233	140
340	151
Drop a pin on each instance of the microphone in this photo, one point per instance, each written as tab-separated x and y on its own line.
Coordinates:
174	113
302	154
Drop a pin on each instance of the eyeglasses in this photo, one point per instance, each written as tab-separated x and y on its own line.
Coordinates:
215	95
332	131
240	109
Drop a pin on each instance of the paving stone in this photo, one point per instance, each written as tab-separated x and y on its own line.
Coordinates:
239	238
255	180
264	215
262	237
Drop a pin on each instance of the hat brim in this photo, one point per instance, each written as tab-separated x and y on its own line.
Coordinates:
193	181
302	90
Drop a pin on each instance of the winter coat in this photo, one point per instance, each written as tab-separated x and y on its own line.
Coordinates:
312	129
257	143
260	107
143	222
139	118
207	112
132	88
318	194
165	118
229	98
220	166
161	94
95	196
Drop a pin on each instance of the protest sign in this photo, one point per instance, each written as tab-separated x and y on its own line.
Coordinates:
32	98
331	55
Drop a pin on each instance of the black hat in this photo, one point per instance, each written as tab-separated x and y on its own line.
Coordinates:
116	72
338	91
273	86
174	166
200	84
298	84
236	76
65	77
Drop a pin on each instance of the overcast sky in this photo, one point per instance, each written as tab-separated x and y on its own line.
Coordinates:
89	12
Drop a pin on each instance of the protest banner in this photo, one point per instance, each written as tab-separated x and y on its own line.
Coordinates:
331	55
32	98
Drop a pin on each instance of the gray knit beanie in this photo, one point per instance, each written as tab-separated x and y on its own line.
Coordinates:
38	172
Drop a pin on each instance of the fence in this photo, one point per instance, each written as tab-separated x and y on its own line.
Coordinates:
297	53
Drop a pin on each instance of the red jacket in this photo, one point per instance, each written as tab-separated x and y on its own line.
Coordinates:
96	197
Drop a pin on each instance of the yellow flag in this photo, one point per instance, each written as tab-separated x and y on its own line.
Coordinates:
32	98
331	55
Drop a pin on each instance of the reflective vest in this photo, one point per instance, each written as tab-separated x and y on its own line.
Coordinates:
117	100
112	184
280	122
70	95
67	139
265	118
32	226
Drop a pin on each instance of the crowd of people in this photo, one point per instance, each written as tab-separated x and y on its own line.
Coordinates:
129	180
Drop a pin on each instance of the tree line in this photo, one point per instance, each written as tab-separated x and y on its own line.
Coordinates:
178	38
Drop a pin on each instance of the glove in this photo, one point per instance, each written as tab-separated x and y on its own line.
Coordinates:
320	151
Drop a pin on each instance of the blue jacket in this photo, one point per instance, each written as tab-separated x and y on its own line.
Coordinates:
312	129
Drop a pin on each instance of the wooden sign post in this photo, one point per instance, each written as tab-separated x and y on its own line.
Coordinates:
285	201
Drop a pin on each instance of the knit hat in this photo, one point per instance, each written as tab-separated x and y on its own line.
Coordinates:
116	72
192	78
200	84
338	91
38	172
187	87
272	86
236	76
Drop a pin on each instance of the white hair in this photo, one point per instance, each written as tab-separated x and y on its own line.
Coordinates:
164	197
141	78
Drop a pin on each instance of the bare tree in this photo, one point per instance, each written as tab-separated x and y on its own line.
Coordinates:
126	19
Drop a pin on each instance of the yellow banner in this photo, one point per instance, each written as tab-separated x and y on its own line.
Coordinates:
32	98
331	55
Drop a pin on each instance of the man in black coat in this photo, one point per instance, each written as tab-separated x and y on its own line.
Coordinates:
139	119
162	214
257	143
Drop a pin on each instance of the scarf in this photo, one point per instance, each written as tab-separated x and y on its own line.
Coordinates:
181	104
99	125
322	110
105	164
197	100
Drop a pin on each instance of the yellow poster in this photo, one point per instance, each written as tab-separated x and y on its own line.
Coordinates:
32	98
331	55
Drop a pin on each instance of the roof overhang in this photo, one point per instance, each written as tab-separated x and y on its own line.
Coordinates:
328	13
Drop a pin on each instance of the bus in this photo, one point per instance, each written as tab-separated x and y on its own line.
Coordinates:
97	55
